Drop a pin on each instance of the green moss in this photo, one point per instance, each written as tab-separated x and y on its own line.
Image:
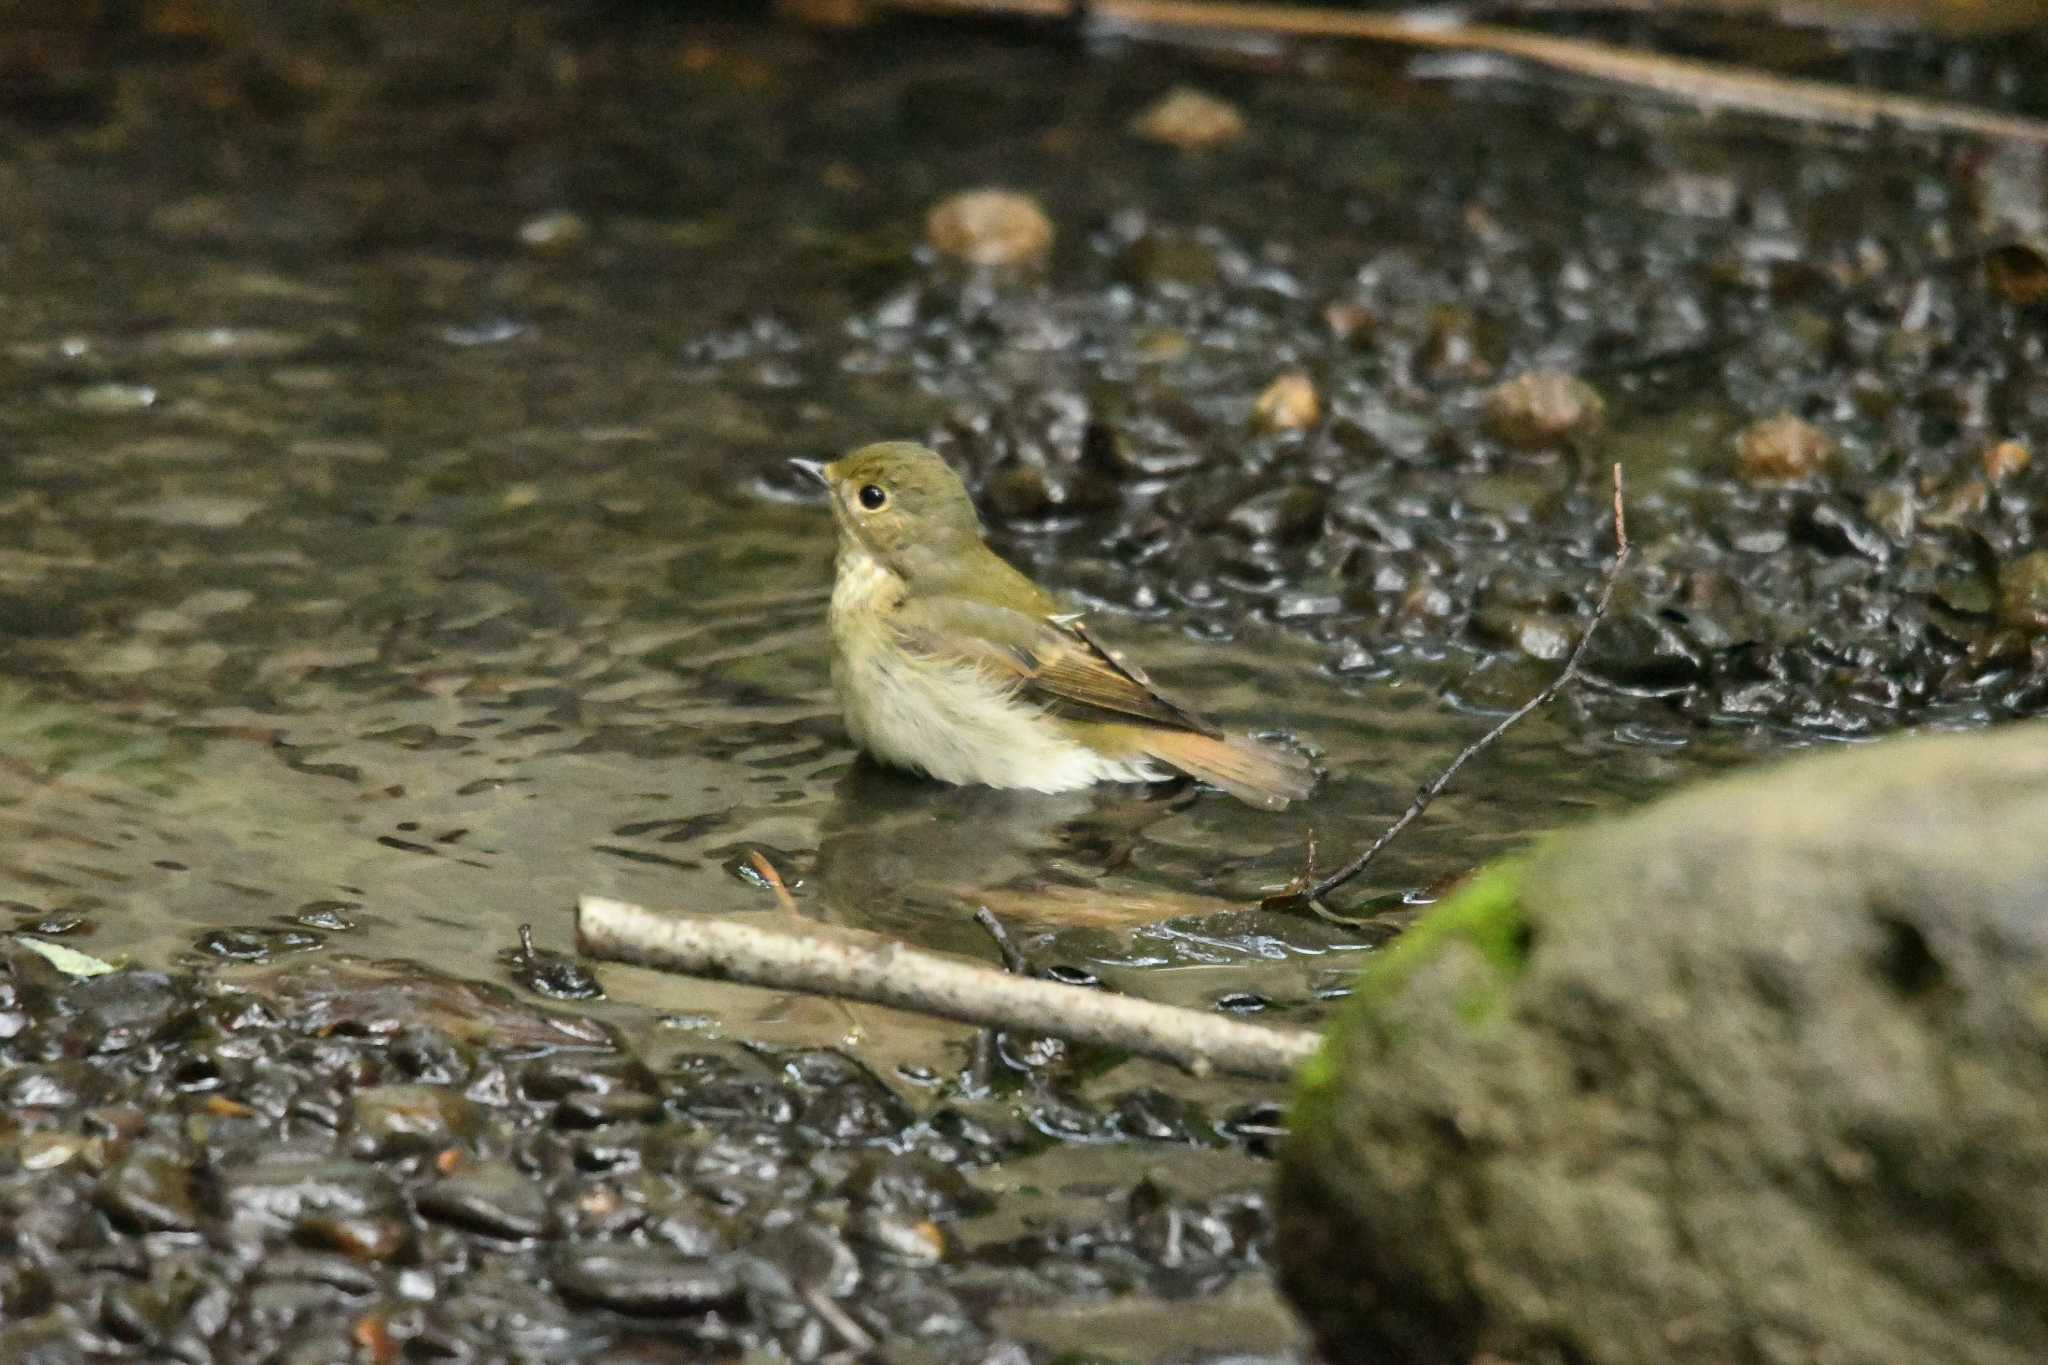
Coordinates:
1486	913
1316	1072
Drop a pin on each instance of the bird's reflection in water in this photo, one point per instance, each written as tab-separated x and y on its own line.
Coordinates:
913	859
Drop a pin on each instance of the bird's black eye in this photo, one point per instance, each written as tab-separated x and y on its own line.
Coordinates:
872	497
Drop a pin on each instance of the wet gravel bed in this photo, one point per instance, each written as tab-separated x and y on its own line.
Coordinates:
426	1170
1289	379
1888	579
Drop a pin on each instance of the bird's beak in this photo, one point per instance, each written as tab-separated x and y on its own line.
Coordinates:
810	467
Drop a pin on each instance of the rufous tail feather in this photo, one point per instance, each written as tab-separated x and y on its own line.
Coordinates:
1256	773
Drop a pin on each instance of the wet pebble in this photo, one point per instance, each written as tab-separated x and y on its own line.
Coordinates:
50	1339
317	1268
547	972
151	1190
134	1315
990	227
132	1000
1017	491
1156	1116
1306	605
2018	272
2006	459
1837	529
685	1224
595	1108
1170	261
908	1241
1424	604
258	943
46	1150
1191	120
1288	515
1452	349
1960	505
853	1113
907	1183
55	1085
1258	1124
490	1197
1894	510
422	1053
394	1120
1350	320
2023	593
1646	653
1289	403
562	1074
1535	634
363	1238
285	1188
644	1280
554	233
1781	449
1543	408
331	916
810	1256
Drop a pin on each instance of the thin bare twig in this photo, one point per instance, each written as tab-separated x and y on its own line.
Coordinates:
981	1057
1434	787
1706	85
1013	956
884	972
773	878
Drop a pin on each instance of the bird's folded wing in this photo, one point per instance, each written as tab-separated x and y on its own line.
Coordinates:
1054	660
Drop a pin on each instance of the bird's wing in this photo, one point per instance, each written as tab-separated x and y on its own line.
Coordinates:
1055	660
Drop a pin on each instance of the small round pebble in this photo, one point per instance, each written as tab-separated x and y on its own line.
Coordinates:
2023	593
491	1197
554	232
1289	403
2004	459
1781	449
1190	119
644	1280
990	227
1543	408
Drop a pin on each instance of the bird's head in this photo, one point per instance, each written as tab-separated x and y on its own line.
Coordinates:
901	503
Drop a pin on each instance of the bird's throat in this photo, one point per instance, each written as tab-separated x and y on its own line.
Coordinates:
862	586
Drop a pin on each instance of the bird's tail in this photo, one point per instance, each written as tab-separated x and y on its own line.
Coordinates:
1256	773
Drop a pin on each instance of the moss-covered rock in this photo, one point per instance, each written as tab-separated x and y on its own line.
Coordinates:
1759	1073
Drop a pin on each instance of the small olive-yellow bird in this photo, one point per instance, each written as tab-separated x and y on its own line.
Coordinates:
949	661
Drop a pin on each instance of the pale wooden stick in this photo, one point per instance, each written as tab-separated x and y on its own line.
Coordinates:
885	972
1709	85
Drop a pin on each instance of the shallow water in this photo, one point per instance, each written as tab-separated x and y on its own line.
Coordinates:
420	576
395	542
